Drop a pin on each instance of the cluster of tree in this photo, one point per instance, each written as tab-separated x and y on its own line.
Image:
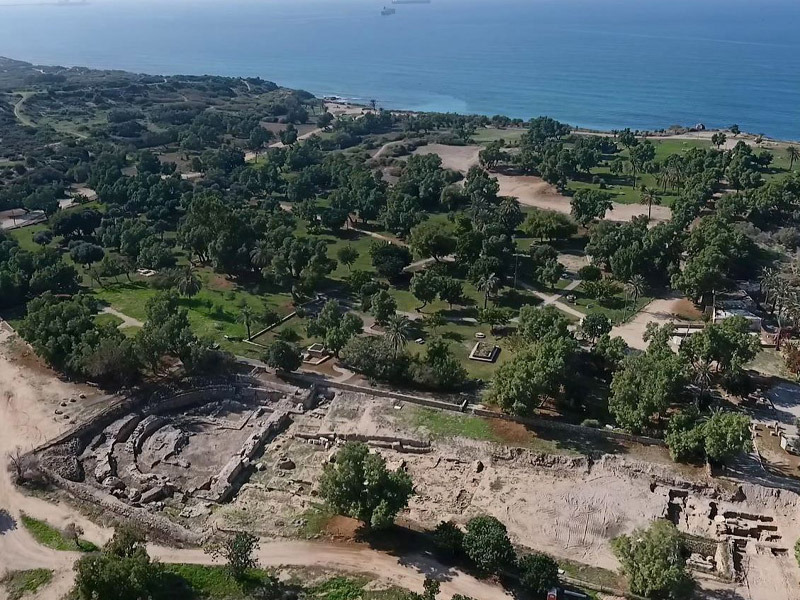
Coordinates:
383	358
25	274
486	545
654	561
358	484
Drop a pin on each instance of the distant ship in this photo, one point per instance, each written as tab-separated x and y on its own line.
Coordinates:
411	1
388	11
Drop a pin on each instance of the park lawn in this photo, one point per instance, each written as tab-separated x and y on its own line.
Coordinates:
615	309
511	135
24	236
49	536
461	338
295	329
19	584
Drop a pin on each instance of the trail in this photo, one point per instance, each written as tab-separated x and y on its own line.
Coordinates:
126	320
18	109
555	299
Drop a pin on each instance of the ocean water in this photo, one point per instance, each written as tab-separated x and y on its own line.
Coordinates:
594	63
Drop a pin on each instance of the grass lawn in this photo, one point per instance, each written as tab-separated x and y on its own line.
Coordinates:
445	424
24	236
21	583
49	536
212	582
614	309
512	135
108	319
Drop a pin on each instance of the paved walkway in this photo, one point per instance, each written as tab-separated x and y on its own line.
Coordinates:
554	299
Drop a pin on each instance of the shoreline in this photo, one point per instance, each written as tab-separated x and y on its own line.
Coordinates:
688	132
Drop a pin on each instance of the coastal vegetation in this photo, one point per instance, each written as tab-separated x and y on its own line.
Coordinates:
182	222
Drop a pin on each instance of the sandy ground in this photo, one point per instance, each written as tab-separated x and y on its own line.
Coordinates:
660	310
28	394
530	190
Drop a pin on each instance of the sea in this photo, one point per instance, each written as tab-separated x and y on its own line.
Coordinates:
603	64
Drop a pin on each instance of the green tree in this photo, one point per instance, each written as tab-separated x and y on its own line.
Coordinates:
793	154
246	317
494	316
359	485
538	323
398	330
283	356
389	259
726	435
425	286
238	551
347	255
188	284
538	573
428	239
84	253
382	306
488	284
595	325
122	571
590	204
647	383
535	373
653	561
487	545
448	539
718	139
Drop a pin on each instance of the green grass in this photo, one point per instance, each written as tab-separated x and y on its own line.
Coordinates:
49	536
24	236
352	588
443	424
21	583
316	519
596	575
213	582
614	309
108	319
511	135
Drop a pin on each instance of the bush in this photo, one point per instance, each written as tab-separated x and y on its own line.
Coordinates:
448	538
590	273
283	356
487	545
593	423
538	573
43	237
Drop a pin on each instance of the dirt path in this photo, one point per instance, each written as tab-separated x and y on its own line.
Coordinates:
126	320
406	571
18	109
555	299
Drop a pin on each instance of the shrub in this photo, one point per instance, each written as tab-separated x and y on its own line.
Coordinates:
593	423
448	538
590	273
487	545
538	573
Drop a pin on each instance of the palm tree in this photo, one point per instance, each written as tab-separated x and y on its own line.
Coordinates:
794	154
636	286
649	197
261	255
188	284
246	318
398	330
701	371
488	285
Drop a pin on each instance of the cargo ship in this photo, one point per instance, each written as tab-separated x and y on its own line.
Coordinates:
388	11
